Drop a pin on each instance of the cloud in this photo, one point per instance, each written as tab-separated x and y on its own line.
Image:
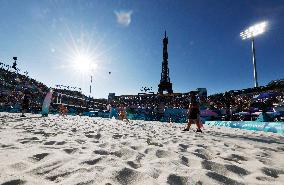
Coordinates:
123	18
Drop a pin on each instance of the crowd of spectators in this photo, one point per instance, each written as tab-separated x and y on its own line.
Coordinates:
225	105
13	85
256	100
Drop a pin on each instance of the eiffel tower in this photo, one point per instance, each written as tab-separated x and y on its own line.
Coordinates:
165	82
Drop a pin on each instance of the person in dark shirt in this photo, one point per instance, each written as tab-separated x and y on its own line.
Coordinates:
25	103
193	113
160	110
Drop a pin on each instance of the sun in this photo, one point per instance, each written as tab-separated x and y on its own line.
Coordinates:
83	63
83	54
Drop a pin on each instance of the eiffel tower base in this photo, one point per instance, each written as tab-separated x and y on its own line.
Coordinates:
165	87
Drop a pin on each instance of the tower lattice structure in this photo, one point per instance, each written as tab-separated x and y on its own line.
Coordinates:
165	82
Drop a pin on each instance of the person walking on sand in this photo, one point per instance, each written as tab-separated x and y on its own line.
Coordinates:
62	110
161	110
112	111
25	103
193	113
122	113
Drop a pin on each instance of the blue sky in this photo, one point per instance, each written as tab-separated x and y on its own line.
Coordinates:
125	38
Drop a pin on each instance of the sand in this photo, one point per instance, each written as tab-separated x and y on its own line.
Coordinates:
81	151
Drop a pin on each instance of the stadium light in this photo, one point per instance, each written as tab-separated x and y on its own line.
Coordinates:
250	33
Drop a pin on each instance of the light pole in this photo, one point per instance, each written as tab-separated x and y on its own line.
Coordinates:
251	32
91	85
91	73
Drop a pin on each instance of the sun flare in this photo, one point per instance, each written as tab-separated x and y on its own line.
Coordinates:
83	63
83	55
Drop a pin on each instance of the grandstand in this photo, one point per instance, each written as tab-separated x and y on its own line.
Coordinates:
13	85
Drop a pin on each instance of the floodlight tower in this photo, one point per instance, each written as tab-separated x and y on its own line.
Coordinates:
251	32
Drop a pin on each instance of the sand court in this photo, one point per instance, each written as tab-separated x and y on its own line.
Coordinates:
81	150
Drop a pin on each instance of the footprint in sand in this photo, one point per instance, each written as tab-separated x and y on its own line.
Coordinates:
280	149
272	172
264	157
60	143
162	153
213	166
237	170
49	142
265	161
222	179
236	158
80	141
139	157
262	178
40	156
268	149
90	135
8	146
70	150
39	132
263	154
227	144
96	136
117	136
27	140
202	146
203	154
93	161
134	164
184	160
101	152
127	176
176	179
124	153
14	182
183	147
136	147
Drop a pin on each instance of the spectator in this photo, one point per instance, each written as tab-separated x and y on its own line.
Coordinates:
25	103
193	113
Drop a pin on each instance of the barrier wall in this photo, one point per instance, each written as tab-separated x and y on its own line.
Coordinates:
275	127
179	116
